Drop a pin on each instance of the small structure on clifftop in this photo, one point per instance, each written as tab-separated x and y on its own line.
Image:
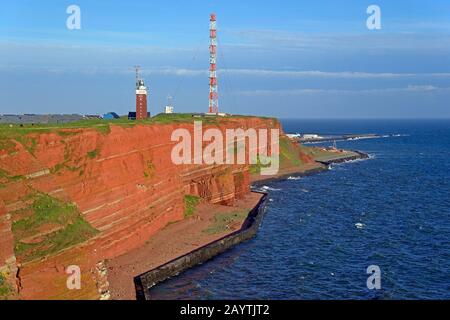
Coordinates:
141	97
169	107
110	116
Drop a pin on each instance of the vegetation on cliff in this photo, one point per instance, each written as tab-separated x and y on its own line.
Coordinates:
225	221
290	156
322	154
47	226
5	287
18	132
190	204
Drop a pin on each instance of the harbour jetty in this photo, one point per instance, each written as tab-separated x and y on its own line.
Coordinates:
316	138
350	156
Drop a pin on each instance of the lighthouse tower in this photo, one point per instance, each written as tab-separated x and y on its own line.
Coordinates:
141	97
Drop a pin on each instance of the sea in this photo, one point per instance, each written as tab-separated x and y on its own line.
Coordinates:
367	229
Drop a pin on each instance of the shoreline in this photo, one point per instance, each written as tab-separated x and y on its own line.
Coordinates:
147	280
174	241
359	155
144	282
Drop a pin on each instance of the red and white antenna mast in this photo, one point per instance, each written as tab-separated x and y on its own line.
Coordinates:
213	93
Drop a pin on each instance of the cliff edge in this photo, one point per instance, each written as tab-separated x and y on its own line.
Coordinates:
76	195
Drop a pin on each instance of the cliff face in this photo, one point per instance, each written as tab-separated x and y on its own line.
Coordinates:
115	187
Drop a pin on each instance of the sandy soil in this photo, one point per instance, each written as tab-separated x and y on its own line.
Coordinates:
171	242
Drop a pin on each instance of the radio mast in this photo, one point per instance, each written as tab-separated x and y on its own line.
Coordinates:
213	92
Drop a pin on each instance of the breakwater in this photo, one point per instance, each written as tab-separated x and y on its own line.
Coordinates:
144	282
356	156
330	138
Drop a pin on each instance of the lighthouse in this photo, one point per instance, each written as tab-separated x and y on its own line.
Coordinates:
141	97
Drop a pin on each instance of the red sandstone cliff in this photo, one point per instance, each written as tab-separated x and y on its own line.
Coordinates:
123	183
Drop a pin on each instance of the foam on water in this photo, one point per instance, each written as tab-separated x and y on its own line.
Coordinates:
391	212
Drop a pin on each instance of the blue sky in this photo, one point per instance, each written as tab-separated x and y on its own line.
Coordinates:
298	59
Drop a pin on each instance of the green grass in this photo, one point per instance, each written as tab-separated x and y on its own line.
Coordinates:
17	132
93	154
14	131
289	153
289	157
4	174
320	154
5	288
65	133
190	205
172	117
57	168
222	221
6	144
49	211
46	210
256	168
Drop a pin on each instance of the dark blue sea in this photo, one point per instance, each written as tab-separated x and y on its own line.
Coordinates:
309	245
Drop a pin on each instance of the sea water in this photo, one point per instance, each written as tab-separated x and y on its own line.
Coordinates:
322	232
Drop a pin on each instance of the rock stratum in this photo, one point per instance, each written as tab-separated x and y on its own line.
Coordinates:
77	196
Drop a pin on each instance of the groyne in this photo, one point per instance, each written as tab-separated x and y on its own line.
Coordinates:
144	282
356	156
331	138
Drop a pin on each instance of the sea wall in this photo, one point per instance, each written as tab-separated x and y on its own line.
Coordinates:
146	281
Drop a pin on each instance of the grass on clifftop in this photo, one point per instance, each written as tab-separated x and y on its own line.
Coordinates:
190	204
319	153
47	226
103	125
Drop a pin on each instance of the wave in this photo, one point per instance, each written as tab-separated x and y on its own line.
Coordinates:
371	157
294	178
399	135
360	225
267	188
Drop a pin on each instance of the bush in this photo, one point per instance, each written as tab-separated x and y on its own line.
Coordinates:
190	204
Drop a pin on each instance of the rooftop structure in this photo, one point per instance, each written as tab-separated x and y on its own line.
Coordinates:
39	118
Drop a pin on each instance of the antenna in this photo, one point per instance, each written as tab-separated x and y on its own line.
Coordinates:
213	92
138	74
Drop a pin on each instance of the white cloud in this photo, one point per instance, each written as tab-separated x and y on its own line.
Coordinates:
316	74
294	92
423	88
303	41
289	73
183	72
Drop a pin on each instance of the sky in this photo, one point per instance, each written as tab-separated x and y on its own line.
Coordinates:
290	59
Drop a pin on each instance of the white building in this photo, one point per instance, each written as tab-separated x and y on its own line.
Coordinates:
168	109
311	136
